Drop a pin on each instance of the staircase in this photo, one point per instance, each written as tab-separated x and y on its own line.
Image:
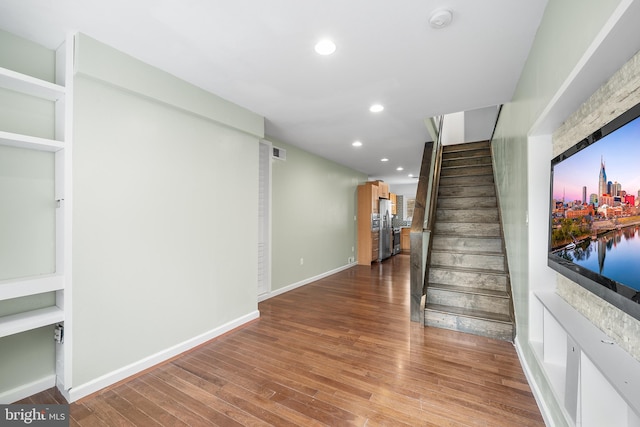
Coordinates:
468	286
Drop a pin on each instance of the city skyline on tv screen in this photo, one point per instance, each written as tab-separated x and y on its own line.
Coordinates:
620	153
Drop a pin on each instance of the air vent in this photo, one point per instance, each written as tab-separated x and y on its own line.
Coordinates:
279	153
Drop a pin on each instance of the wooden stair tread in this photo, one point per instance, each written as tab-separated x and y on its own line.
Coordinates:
462	235
469	270
467	252
446	188
468	290
465	312
466	146
466	237
481	208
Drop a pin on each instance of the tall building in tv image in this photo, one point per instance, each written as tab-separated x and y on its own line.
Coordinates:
600	232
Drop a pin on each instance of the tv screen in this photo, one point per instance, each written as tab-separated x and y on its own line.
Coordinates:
594	236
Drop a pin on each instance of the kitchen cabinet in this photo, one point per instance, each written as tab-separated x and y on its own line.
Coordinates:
405	239
393	197
383	190
368	216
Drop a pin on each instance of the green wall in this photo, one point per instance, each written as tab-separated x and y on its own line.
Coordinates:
313	209
164	202
567	29
27	212
165	180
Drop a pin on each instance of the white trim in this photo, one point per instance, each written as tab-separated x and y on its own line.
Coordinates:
28	320
30	85
113	377
11	139
16	288
265	217
65	59
533	384
303	282
26	390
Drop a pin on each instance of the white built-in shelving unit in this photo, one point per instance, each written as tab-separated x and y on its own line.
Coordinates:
595	381
60	281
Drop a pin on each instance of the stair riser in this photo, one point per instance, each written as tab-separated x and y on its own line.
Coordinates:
485	262
473	215
478	280
491	304
467	244
469	170
467	202
447	149
478	152
487	328
470	191
466	161
467	229
448	181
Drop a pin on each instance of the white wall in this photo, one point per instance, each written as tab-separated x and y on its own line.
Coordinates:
165	180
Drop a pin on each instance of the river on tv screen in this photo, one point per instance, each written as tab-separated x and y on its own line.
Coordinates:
615	255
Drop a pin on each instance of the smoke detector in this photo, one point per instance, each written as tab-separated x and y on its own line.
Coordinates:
440	18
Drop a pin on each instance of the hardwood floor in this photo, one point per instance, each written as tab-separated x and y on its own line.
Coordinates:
340	351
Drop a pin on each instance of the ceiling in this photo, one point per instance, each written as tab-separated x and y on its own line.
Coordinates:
260	55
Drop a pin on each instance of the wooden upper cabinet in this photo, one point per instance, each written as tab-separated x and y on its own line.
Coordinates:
375	195
393	197
383	190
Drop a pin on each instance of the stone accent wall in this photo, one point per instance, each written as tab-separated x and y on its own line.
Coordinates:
620	93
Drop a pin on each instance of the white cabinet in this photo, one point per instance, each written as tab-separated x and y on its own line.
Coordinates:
59	94
596	382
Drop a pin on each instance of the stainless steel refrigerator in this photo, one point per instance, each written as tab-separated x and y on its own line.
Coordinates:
386	229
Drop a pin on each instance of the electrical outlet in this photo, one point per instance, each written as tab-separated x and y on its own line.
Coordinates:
301	261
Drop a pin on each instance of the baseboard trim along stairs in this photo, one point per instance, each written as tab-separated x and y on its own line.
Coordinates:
467	284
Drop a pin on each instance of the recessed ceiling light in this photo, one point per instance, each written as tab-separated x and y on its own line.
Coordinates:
384	159
325	47
399	168
440	18
356	144
376	108
410	175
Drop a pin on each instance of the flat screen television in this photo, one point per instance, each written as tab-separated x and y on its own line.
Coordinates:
594	232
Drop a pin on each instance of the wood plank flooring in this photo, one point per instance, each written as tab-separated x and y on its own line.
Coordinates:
340	351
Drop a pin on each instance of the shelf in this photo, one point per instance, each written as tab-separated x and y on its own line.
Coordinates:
30	142
17	288
29	320
30	85
616	366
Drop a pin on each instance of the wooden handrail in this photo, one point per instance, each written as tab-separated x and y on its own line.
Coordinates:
422	223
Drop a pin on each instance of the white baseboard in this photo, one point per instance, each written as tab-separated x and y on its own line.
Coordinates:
106	380
535	387
27	390
303	282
